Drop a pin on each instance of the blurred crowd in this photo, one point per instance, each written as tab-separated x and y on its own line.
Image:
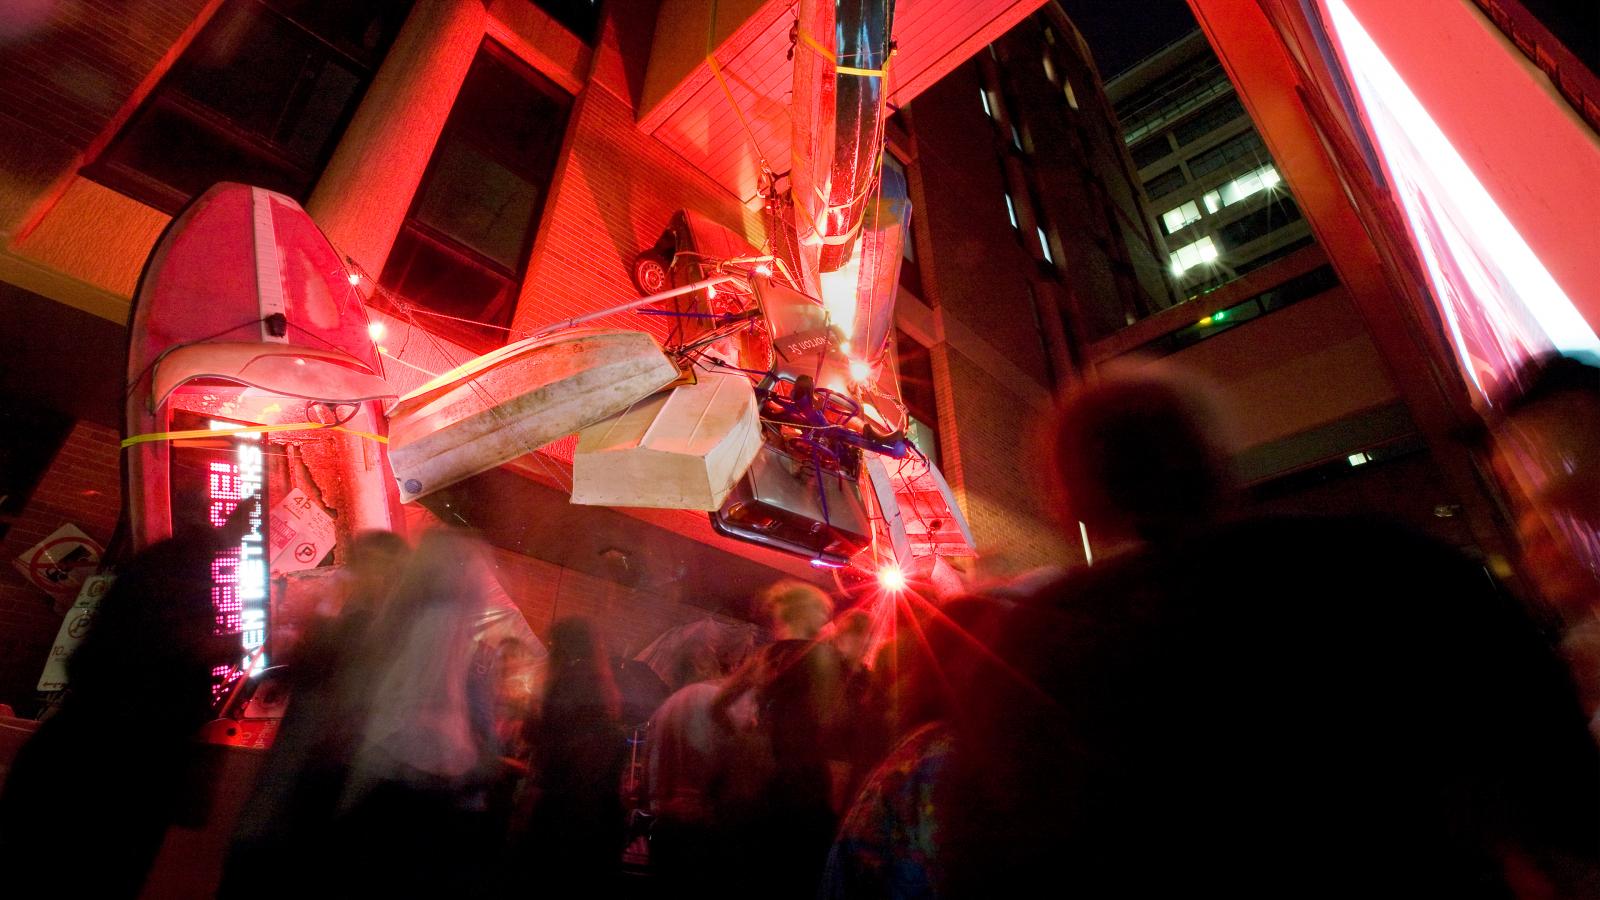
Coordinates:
1222	703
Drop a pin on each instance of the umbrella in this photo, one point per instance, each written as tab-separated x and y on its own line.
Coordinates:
641	688
698	650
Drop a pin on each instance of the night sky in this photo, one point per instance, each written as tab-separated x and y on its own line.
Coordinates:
1122	32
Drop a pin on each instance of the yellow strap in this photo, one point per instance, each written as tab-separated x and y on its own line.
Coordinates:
727	92
251	429
809	41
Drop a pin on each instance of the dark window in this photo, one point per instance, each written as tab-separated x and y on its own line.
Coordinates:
581	17
464	246
260	97
30	436
1274	215
910	272
915	365
1173	96
1150	151
1208	120
1246	144
1298	288
1575	25
1165	183
1273	255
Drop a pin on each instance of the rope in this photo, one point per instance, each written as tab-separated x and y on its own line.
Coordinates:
249	429
716	70
811	42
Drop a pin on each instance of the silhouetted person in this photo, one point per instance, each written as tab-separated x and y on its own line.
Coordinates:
332	675
684	770
413	806
574	842
1275	707
91	795
797	685
1546	426
860	735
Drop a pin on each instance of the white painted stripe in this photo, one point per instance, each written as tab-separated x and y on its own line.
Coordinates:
269	266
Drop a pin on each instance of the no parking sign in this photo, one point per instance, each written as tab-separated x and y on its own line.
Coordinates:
59	564
73	628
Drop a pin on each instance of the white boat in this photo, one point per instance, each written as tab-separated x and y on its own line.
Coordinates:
680	449
493	409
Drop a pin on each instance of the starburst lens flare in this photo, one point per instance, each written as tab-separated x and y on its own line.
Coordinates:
859	371
891	578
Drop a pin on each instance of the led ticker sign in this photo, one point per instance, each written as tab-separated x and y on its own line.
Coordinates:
210	479
239	574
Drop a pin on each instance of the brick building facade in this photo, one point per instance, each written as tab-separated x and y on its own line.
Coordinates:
76	228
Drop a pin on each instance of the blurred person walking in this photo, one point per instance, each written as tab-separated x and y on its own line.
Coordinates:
889	840
1260	707
1546	441
574	841
332	675
796	684
414	808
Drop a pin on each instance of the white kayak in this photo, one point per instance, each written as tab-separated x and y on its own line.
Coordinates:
680	449
490	410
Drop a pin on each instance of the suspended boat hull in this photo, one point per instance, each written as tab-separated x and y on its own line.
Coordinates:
517	399
681	449
245	318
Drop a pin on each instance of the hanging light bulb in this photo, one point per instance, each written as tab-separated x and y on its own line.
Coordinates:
355	278
860	371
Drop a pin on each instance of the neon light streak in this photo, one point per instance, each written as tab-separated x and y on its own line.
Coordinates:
1499	302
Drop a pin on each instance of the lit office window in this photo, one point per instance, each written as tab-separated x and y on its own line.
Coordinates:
1011	211
1190	255
1175	219
1246	185
1044	245
983	94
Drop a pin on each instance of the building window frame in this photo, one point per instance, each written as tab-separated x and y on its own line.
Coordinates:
272	152
423	243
